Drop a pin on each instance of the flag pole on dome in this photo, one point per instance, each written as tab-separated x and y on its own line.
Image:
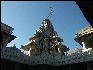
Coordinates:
51	10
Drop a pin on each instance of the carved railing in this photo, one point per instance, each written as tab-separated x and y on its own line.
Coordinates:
15	55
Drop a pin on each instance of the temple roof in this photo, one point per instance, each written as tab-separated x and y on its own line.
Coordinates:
6	32
6	28
84	31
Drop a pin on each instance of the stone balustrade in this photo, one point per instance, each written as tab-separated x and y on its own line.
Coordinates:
15	54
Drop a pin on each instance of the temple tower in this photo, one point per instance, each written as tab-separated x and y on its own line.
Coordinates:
45	40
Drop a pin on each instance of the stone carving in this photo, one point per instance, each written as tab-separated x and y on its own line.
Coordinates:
46	40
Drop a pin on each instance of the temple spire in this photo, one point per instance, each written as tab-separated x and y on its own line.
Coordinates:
51	10
45	40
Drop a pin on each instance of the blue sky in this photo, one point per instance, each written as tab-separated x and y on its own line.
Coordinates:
26	16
